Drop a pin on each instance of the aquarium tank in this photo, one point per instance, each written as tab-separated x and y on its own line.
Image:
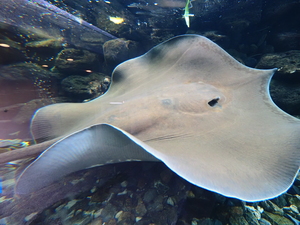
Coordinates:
149	112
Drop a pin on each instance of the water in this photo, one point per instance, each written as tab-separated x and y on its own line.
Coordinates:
65	51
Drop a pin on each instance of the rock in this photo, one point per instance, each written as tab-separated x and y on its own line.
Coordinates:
166	176
171	201
238	220
288	63
30	217
12	51
97	221
26	71
118	50
106	206
163	28
276	219
117	20
285	95
124	218
109	211
240	215
205	221
160	187
280	201
252	215
236	211
294	200
264	222
295	190
76	61
213	35
149	195
284	87
81	88
51	43
291	210
157	204
140	209
111	222
271	207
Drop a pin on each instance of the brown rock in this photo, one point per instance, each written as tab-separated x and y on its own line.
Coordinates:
276	219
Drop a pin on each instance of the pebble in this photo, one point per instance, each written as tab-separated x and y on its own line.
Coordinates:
171	201
271	207
124	184
294	209
264	222
276	219
97	213
71	203
253	213
140	209
138	218
159	202
30	216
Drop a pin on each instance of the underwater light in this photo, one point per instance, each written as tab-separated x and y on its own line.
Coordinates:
116	20
4	45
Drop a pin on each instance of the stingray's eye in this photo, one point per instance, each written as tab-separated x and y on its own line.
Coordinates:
213	102
166	101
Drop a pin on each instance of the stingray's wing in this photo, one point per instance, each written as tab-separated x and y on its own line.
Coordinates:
93	146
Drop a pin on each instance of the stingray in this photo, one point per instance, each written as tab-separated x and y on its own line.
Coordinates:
187	103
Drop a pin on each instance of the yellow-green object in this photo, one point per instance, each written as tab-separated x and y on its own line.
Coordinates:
187	14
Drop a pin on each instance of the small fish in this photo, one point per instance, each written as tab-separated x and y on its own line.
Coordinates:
140	6
187	14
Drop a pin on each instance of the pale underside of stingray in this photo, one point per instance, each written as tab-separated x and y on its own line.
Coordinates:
187	103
